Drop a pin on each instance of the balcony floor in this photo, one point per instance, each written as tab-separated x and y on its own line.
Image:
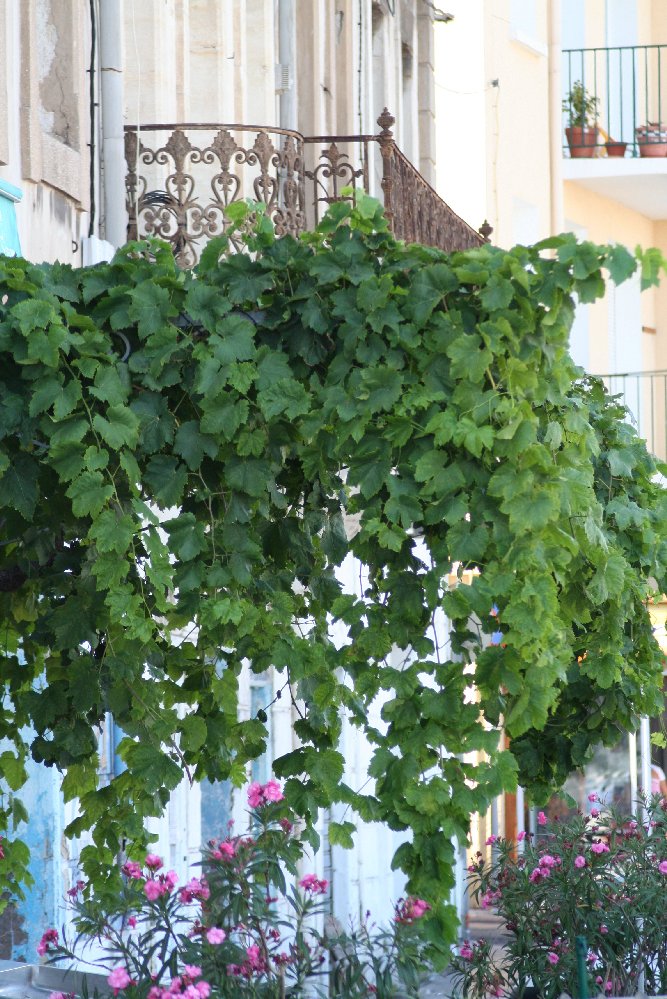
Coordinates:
638	183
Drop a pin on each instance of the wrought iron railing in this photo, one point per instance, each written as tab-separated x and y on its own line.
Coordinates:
645	395
627	88
181	178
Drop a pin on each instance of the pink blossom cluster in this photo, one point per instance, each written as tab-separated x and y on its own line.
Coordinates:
215	935
254	964
154	887
261	794
75	889
183	985
196	888
409	909
489	898
313	884
599	848
119	979
163	884
61	995
48	938
545	865
132	869
225	850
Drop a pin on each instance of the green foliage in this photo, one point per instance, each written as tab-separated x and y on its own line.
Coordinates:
247	928
596	876
417	410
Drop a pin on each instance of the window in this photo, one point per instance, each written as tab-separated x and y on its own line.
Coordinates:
9	236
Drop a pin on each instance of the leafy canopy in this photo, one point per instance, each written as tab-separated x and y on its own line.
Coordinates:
166	517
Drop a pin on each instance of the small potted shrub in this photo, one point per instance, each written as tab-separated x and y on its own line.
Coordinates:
615	148
582	113
652	139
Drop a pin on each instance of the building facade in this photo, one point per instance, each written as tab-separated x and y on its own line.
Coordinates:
510	78
120	118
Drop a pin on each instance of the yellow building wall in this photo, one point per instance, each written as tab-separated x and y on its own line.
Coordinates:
518	181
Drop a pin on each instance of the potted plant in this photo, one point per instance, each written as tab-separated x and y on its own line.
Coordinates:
615	148
652	139
582	111
600	876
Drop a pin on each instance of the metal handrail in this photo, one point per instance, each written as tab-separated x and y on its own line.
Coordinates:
644	393
629	83
178	188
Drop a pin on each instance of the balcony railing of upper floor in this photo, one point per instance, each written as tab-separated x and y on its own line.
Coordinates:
645	395
618	96
181	178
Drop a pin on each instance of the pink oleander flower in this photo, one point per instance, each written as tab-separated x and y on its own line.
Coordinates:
537	873
215	935
192	970
132	869
492	839
408	909
604	928
154	889
548	861
600	848
118	979
595	813
313	884
593	797
203	989
170	879
521	836
261	794
132	922
579	861
48	938
662	866
273	790
153	862
224	851
552	958
541	819
195	888
57	995
466	952
73	892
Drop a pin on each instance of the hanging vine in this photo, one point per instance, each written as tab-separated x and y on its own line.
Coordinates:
184	454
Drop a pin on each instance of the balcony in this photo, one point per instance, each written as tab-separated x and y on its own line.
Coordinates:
180	179
645	395
625	156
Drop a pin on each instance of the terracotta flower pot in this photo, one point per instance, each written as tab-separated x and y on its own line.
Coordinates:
616	148
582	141
649	148
652	139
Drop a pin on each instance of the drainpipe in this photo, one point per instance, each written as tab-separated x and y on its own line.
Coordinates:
111	96
555	120
287	63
